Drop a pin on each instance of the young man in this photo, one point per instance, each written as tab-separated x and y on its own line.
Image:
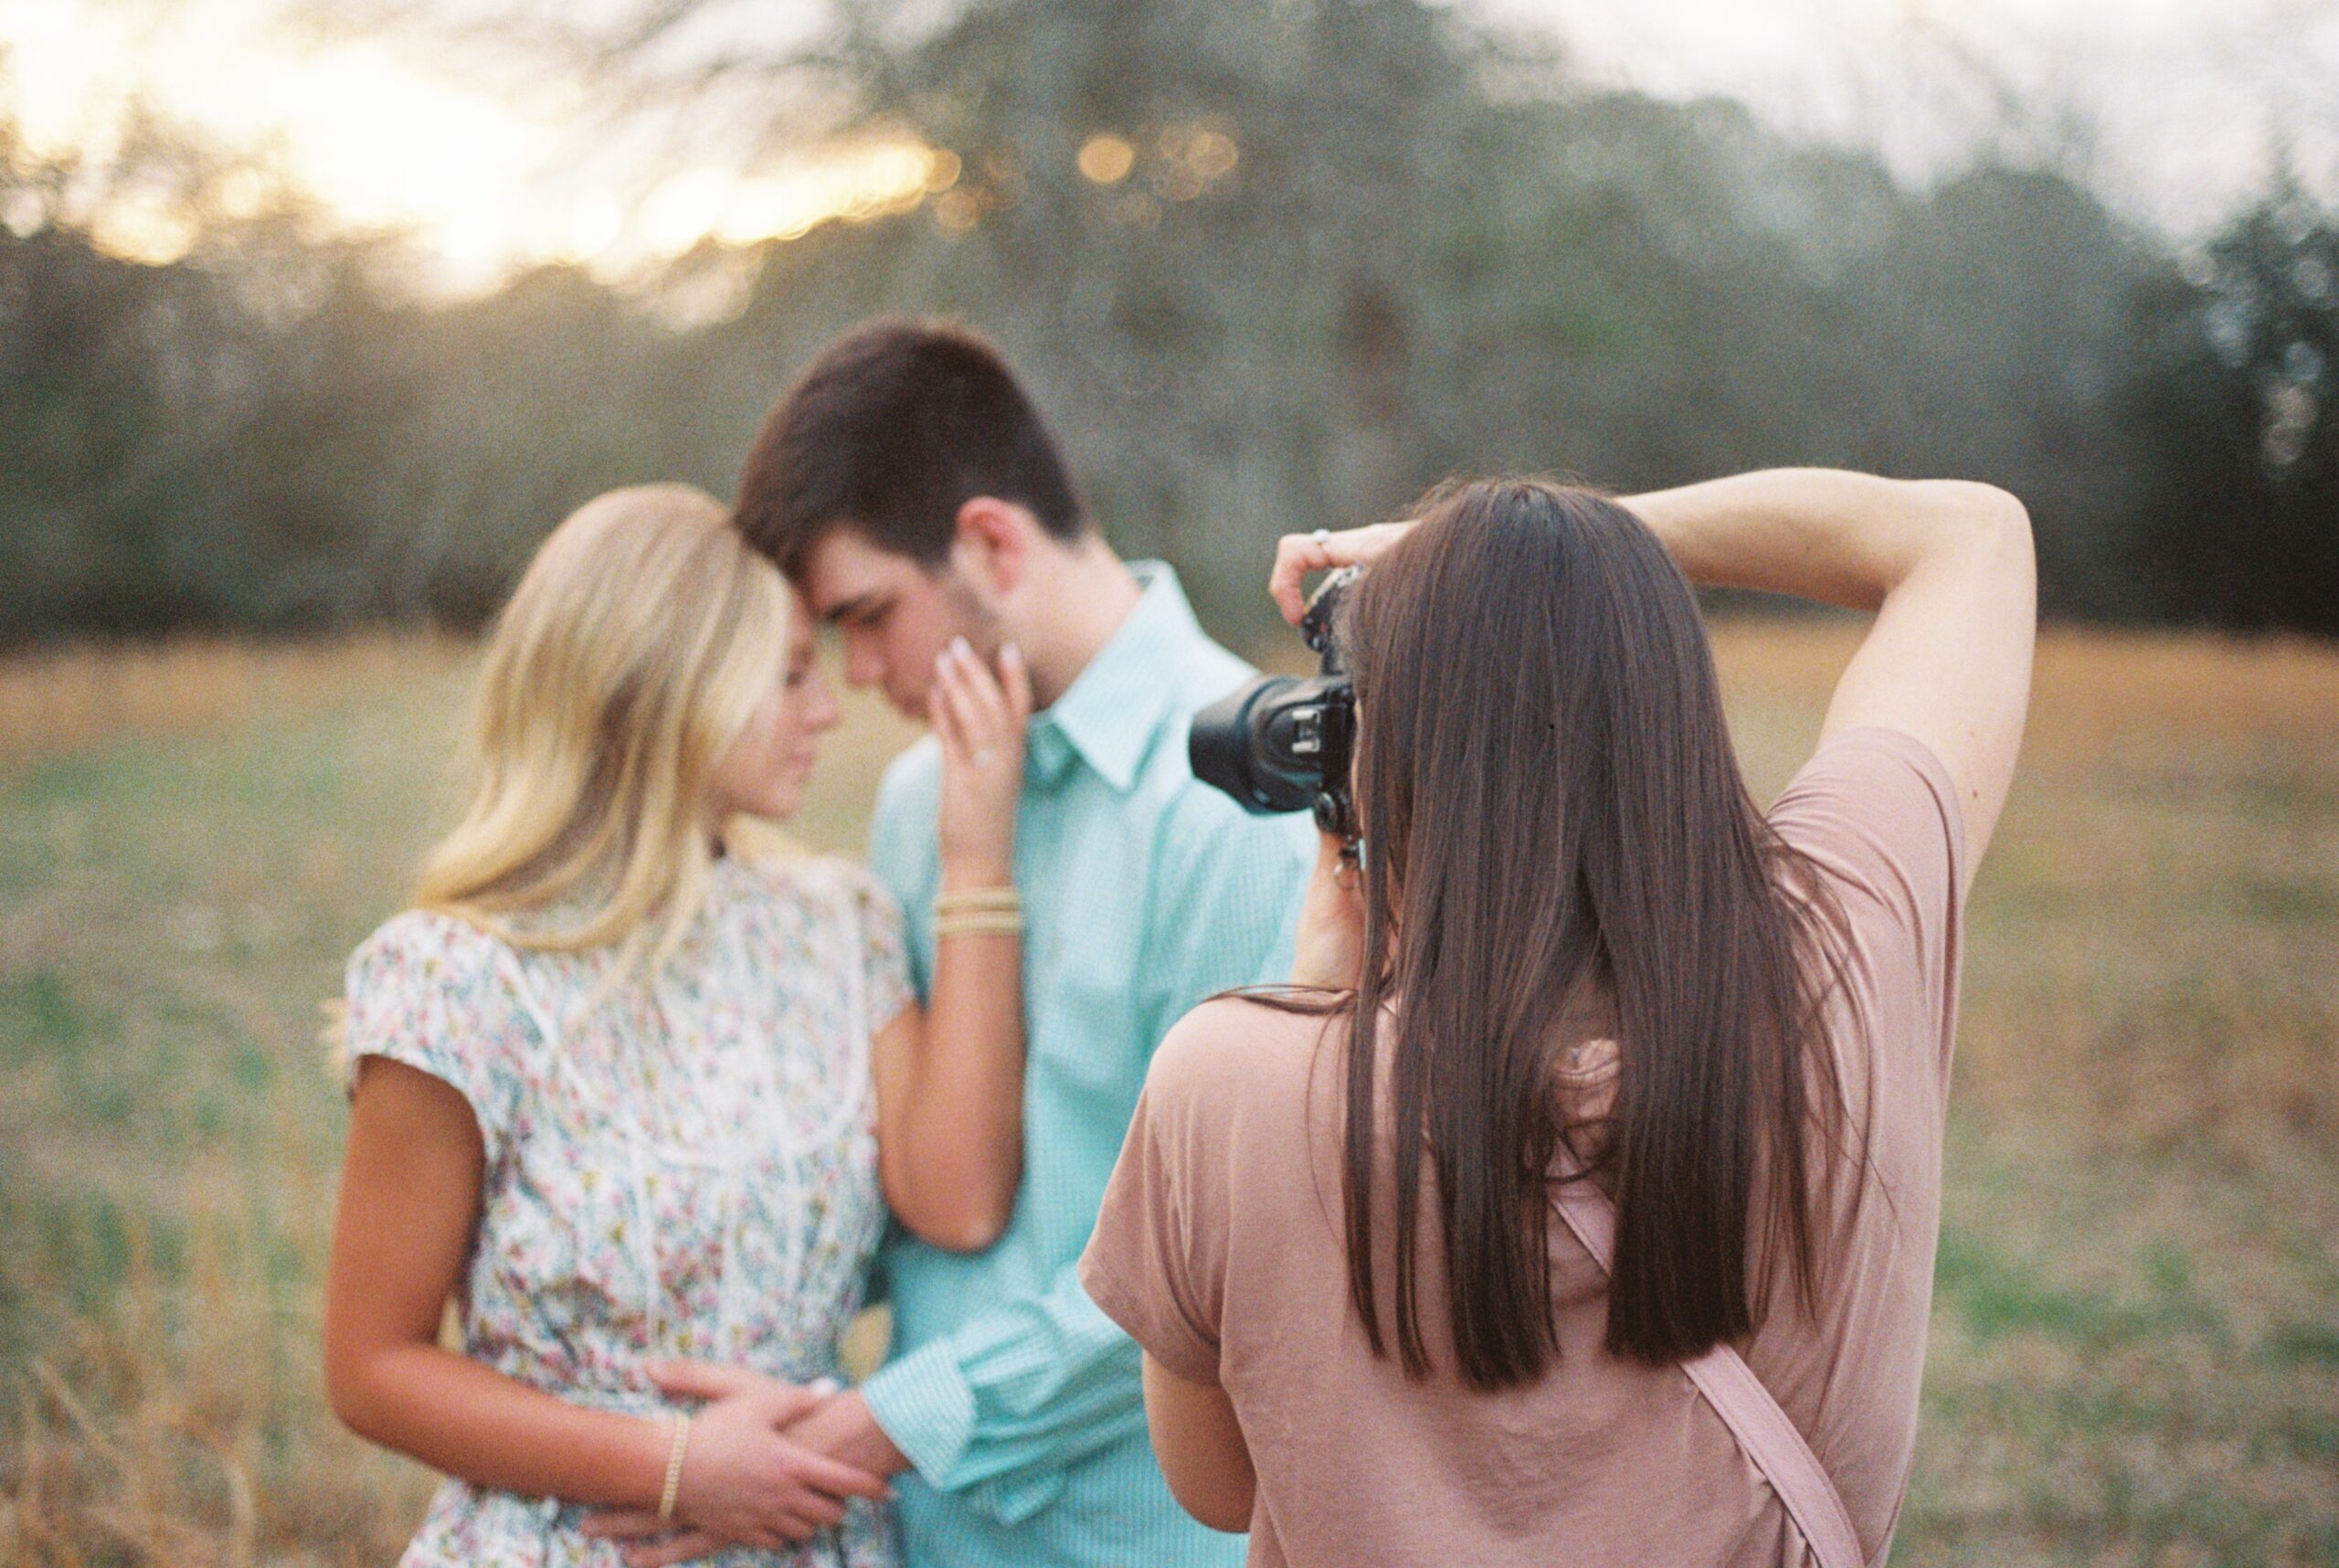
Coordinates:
908	485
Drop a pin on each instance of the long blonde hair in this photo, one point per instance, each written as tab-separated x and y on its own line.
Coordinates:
630	656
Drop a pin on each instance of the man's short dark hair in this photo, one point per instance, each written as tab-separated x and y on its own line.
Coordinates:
895	426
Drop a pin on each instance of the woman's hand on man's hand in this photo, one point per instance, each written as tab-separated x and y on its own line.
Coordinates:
981	716
1297	554
746	1480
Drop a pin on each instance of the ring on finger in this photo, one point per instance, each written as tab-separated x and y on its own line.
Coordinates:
1321	535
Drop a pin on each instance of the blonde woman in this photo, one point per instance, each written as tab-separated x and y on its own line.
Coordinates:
626	1096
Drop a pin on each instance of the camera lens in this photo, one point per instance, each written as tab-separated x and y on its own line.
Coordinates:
1269	742
1279	743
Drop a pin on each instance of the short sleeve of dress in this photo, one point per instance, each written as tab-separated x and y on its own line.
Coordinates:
1156	1263
428	990
1876	811
884	949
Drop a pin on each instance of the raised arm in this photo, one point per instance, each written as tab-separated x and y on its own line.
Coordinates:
950	1082
1946	566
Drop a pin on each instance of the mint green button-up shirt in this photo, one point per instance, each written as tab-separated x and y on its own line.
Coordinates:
1144	892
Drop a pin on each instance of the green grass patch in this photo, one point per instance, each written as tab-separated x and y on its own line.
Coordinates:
39	1015
1998	1293
2303	1345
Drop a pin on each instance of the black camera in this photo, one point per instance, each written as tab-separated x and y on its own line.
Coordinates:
1281	742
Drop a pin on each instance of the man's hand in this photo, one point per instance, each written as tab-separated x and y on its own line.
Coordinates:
747	1478
843	1429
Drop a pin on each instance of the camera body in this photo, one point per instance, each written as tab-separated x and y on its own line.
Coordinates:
1282	743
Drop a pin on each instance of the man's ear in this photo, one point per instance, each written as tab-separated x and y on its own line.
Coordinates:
991	542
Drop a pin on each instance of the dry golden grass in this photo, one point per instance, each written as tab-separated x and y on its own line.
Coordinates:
2135	1352
2170	843
76	697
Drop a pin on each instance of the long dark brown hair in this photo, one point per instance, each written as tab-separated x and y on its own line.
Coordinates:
1554	820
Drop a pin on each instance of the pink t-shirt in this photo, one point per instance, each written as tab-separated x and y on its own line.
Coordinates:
1219	1248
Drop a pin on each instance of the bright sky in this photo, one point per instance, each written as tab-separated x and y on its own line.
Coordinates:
485	180
2189	95
2187	99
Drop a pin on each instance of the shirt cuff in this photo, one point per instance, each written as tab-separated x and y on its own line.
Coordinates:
922	1403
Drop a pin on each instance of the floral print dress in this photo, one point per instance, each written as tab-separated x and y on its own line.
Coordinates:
683	1169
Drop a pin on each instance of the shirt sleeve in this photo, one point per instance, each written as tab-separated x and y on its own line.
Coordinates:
1000	1409
1156	1264
428	990
1878	815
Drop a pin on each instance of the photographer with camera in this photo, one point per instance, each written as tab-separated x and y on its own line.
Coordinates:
1578	1203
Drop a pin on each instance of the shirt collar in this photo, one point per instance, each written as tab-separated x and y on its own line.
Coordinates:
1108	715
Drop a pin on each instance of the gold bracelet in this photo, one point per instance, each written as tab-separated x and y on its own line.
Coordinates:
980	923
674	1468
972	900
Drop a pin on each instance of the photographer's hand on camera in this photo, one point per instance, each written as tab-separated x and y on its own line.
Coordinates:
1297	554
979	716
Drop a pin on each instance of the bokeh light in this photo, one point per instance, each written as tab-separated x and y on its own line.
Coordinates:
1106	159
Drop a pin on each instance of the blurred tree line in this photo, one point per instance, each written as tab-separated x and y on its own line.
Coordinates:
1329	252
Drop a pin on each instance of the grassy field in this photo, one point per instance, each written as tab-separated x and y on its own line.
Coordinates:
2135	1345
